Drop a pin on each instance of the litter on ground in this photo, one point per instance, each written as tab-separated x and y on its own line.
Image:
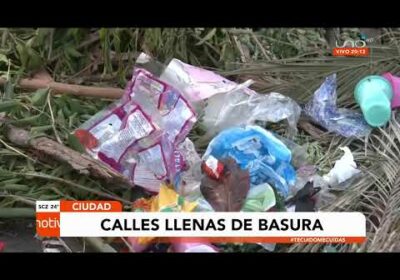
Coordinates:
183	138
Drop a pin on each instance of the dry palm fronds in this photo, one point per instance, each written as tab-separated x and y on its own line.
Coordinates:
376	195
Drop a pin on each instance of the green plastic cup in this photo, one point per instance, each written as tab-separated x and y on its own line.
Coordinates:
374	94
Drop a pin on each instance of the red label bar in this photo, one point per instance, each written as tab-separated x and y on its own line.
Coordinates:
350	52
90	206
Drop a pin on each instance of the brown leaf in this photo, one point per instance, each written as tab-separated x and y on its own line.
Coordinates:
229	193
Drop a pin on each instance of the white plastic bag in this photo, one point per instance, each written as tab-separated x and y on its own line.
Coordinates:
344	169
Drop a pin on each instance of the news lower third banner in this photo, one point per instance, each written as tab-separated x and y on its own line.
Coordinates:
107	219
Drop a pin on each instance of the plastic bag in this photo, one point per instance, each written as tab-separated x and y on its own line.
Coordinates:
299	153
322	108
148	63
228	103
197	83
259	199
304	175
325	197
242	106
344	169
203	205
259	151
139	134
189	186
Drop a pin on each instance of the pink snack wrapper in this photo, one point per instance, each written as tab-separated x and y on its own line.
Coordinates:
139	134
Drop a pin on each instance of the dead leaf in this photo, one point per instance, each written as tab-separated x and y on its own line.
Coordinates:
229	192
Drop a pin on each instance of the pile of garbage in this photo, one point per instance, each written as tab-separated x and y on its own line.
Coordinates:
144	136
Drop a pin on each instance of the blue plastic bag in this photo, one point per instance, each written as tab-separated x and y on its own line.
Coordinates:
260	152
322	108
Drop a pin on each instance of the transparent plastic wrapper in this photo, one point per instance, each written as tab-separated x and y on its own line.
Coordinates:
304	175
189	187
203	205
323	110
197	83
242	106
139	134
299	153
325	197
259	199
148	63
226	102
257	150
